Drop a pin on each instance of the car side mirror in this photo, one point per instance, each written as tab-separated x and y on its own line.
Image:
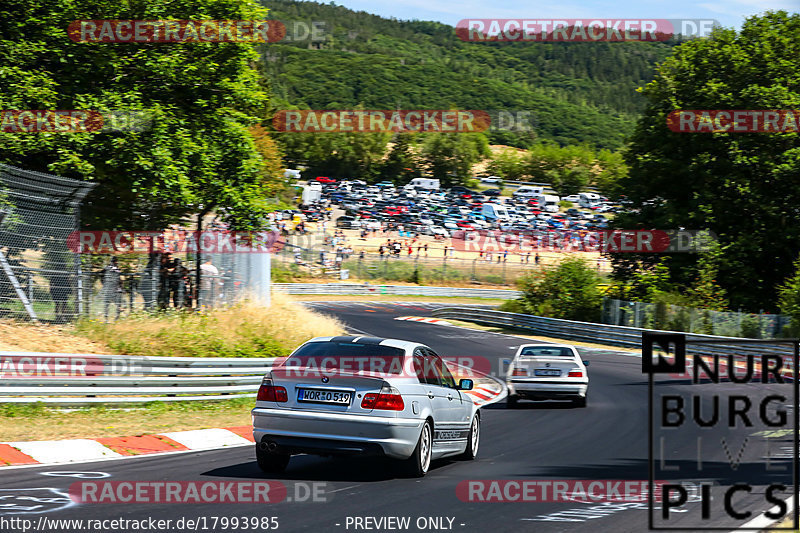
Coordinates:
465	384
586	363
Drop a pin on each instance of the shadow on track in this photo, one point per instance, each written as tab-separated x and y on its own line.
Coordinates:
312	468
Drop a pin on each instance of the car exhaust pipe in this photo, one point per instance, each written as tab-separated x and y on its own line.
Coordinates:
268	446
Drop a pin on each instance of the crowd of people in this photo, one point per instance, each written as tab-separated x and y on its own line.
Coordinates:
166	282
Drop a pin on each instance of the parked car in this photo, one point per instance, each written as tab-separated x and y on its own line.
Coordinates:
346	222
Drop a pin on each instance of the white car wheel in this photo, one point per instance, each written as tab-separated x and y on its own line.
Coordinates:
474	439
420	461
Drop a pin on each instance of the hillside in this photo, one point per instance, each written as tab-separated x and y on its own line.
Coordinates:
579	92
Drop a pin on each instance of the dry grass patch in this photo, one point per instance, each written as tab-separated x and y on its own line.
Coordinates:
243	330
27	337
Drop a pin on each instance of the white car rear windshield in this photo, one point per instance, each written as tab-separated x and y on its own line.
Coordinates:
544	351
349	356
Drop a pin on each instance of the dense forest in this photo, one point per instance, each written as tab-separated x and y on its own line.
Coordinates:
579	92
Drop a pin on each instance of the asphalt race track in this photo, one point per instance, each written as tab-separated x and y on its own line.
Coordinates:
608	440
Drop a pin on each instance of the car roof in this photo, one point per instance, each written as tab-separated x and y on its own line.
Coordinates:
362	339
543	345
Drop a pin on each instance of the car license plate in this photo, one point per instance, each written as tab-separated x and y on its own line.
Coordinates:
547	372
324	396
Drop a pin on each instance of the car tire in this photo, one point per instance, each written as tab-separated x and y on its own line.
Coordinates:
272	463
511	401
579	402
420	461
473	439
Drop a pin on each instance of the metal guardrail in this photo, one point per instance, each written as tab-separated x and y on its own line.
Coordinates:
81	379
623	336
409	290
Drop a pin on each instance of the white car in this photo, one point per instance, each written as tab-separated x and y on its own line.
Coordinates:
547	372
491	179
439	230
574	198
364	396
450	224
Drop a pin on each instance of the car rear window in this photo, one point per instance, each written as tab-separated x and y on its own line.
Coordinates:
544	351
348	356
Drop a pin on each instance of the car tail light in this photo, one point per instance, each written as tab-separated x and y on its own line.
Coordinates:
389	399
575	374
268	392
519	372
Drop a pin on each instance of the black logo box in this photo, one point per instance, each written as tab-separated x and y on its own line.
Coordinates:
675	345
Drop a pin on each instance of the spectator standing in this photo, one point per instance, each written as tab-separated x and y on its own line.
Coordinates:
59	292
208	282
112	287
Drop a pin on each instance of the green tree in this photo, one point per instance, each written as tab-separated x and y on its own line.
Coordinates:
744	187
401	165
508	164
338	155
705	292
789	297
195	151
570	291
450	156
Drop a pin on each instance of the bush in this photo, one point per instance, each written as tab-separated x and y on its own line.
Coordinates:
565	204
570	291
512	306
751	327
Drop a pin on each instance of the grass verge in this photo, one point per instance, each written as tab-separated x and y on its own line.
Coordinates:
38	422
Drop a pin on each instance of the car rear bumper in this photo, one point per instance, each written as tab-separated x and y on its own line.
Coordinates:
336	433
547	389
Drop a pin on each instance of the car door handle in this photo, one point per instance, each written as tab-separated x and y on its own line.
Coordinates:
430	395
450	397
